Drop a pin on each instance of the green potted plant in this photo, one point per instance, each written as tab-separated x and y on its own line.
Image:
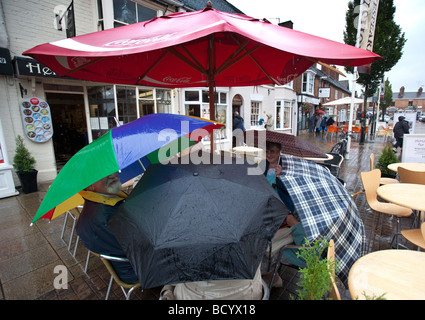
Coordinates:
385	158
315	279
24	163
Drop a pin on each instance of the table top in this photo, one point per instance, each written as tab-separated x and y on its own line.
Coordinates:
404	194
399	274
408	165
329	157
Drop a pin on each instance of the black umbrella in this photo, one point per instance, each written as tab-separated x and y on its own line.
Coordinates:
188	222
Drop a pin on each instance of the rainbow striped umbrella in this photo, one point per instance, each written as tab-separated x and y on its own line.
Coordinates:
128	150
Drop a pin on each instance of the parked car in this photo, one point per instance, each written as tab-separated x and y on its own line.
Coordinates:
422	118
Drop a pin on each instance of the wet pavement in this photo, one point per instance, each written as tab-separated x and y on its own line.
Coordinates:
34	259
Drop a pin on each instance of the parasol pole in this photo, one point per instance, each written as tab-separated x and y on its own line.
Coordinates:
353	89
211	84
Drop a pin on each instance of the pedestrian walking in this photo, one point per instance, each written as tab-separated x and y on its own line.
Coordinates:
400	129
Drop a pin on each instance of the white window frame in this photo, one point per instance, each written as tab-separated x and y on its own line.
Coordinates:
255	114
108	12
283	107
223	102
309	82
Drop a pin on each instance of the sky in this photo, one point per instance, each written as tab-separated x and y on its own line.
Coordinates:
326	18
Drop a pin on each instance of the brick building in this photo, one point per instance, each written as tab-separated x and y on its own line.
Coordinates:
414	101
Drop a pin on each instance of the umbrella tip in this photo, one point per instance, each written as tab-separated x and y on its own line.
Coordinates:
209	5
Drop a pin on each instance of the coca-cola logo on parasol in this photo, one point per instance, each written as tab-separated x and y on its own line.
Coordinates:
139	42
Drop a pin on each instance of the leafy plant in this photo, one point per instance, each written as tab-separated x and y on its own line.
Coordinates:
315	280
374	297
385	158
23	161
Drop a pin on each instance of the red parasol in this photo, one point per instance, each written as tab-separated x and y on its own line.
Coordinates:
204	48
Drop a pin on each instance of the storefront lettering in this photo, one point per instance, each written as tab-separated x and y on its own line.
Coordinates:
38	69
31	67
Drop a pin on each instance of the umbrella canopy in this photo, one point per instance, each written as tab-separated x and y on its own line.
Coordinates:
188	222
176	51
194	49
343	101
290	144
325	210
319	112
127	149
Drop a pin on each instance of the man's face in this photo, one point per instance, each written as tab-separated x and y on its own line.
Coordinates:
109	185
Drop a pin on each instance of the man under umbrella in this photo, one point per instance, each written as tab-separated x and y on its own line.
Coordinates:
102	199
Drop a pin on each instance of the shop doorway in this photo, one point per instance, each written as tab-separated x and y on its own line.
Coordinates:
69	125
237	102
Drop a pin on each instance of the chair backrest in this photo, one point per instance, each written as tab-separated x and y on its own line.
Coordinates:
332	128
423	229
107	262
334	293
372	161
371	180
410	176
336	160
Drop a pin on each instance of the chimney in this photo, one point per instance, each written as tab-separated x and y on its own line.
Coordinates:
419	91
401	93
287	24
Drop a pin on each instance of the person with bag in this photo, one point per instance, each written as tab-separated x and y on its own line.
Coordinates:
400	129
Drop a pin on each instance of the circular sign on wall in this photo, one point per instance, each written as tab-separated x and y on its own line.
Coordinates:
37	119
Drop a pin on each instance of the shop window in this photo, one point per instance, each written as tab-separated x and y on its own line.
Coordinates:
146	102
104	99
128	12
163	100
126	102
255	112
283	114
196	104
102	110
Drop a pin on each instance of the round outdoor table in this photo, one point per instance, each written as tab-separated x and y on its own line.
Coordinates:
408	165
398	274
256	154
329	157
248	150
404	194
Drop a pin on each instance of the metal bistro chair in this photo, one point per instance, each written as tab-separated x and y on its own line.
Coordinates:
127	288
371	181
334	165
333	130
74	214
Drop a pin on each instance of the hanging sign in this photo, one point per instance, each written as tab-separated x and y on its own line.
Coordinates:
37	119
